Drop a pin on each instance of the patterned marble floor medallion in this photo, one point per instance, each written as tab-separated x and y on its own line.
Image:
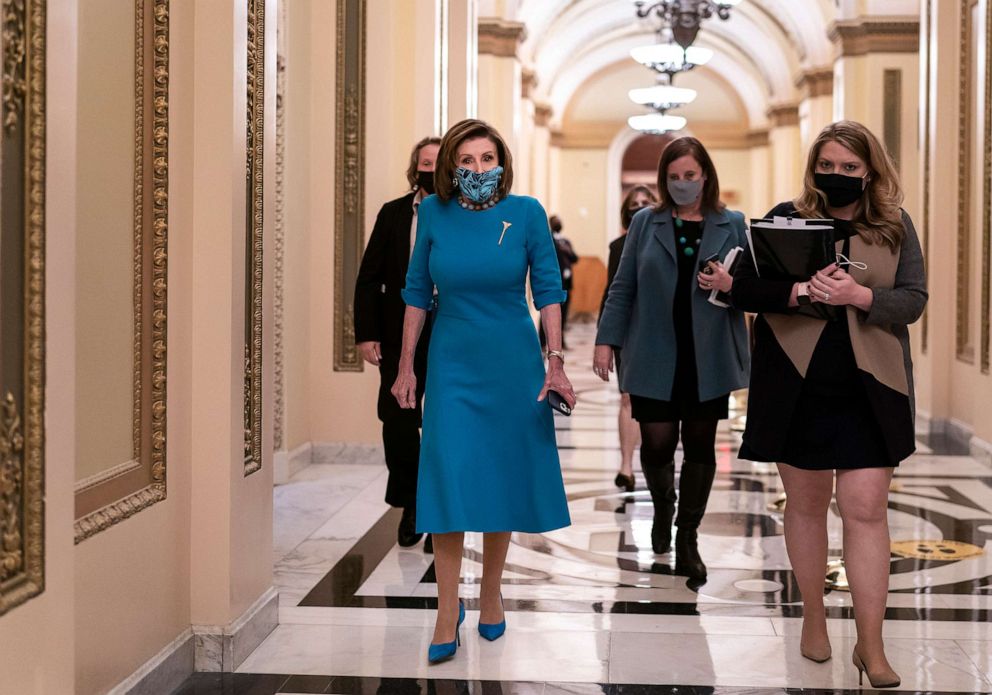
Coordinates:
592	604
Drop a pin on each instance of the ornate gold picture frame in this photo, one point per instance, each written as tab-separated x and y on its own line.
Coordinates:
349	186
22	303
253	243
116	497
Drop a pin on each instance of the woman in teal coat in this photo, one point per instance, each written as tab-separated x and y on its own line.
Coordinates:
489	460
682	355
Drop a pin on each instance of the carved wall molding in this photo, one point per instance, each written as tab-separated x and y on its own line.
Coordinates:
926	118
987	198
279	237
349	185
816	82
542	115
964	349
528	83
758	138
22	369
255	131
784	115
854	37
120	496
499	37
892	114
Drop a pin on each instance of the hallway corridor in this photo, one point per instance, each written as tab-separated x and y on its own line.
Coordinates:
590	609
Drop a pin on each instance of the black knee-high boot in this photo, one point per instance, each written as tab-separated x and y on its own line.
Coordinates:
661	484
695	482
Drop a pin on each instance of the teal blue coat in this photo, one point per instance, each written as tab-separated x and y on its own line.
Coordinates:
638	318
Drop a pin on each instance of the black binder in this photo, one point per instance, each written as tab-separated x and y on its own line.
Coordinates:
794	249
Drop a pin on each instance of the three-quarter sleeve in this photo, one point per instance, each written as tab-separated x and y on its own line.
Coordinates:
545	275
419	290
905	301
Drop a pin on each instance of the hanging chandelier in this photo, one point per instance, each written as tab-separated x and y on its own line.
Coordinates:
670	58
685	16
656	122
663	96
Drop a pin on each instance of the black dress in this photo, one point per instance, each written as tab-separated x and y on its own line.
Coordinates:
685	403
834	426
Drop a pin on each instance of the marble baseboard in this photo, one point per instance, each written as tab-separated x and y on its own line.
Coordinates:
981	450
164	672
223	648
286	464
348	452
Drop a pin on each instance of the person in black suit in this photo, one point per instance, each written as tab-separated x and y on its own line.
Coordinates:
566	259
379	310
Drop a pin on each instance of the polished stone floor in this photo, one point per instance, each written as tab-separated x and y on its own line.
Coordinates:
590	609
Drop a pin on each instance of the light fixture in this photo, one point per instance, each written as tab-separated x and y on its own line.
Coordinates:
662	96
656	122
685	16
671	58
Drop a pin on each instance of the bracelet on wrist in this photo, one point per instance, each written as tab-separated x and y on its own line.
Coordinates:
555	353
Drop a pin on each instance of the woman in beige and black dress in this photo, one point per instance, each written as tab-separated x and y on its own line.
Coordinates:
837	395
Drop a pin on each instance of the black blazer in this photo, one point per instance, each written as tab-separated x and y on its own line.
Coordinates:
379	308
612	265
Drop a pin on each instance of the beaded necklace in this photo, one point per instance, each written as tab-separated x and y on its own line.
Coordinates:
688	246
478	206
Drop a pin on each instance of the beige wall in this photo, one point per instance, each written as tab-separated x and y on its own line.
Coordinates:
296	187
582	199
36	639
105	224
141	583
736	174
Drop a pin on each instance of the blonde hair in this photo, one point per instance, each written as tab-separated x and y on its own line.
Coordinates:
469	129
878	216
414	166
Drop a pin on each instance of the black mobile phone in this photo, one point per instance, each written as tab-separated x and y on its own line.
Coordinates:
704	264
558	403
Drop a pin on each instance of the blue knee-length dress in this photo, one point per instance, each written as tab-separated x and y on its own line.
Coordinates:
488	456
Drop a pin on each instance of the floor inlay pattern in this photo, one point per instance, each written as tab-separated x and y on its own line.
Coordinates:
590	609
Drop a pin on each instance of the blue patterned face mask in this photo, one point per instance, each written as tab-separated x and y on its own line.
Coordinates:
478	187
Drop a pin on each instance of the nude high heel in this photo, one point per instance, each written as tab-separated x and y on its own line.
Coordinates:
884	680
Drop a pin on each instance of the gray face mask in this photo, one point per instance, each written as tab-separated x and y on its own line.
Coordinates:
685	192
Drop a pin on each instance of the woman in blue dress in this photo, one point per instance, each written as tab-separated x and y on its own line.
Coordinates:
488	460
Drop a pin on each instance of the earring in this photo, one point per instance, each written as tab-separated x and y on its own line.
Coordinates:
454	180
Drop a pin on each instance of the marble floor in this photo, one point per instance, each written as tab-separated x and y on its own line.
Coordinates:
590	609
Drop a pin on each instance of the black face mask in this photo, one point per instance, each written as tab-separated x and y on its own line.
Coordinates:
628	215
841	190
425	181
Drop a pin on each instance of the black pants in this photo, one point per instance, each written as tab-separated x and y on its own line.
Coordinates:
401	428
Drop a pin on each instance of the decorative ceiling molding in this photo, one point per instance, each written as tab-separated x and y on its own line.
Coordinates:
784	115
499	37
875	35
816	82
758	138
542	115
528	83
600	134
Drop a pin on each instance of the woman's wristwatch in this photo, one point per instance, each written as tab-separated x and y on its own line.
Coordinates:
802	294
556	353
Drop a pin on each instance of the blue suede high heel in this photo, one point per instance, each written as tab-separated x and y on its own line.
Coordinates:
436	653
493	631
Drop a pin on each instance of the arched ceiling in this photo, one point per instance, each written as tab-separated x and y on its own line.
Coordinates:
603	97
760	50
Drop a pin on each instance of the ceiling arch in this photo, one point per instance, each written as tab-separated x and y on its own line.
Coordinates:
611	50
760	50
603	97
